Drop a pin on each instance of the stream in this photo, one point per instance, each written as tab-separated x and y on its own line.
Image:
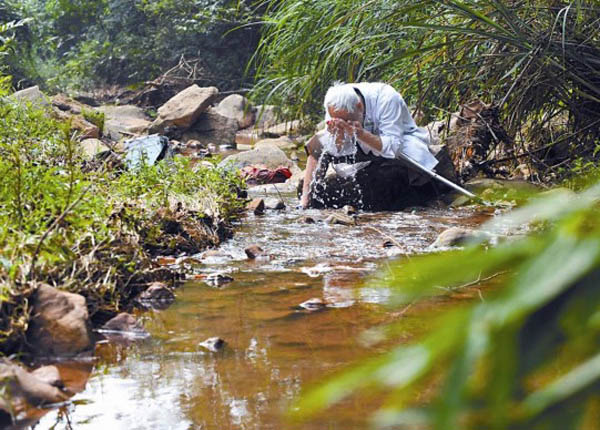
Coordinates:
274	347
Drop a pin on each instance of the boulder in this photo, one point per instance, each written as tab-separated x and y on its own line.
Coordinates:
212	127
284	143
268	155
237	107
92	147
125	323
183	109
124	121
32	95
59	325
266	116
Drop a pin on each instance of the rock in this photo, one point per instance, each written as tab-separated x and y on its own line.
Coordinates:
266	116
458	236
274	203
25	388
67	104
92	147
86	129
270	156
237	107
445	166
218	279
479	184
156	294
283	143
256	206
314	304
124	121
282	128
124	322
213	344
211	127
183	109
59	323
340	219
306	220
349	210
459	201
243	147
254	251
32	95
49	375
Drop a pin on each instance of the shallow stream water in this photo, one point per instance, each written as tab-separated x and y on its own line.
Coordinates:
274	347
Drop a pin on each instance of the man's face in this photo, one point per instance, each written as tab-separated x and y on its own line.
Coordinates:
345	115
340	117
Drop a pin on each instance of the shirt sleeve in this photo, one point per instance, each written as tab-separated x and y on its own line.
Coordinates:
391	133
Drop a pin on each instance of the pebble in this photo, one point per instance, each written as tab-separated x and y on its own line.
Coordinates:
254	251
218	279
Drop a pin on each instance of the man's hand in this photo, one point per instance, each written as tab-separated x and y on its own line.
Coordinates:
342	130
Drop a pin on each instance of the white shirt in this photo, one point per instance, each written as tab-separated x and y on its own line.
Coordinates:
387	116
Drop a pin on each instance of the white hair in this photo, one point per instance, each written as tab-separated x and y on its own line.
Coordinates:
341	96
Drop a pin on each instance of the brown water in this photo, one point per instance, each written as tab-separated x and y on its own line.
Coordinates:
274	348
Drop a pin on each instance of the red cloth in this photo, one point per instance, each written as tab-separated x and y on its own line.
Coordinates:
256	175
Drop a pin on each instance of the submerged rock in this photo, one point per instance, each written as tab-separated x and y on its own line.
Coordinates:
213	344
59	324
254	251
157	295
313	304
218	279
274	203
458	236
125	323
340	219
256	206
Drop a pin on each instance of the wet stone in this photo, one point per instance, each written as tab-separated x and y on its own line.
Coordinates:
274	203
124	322
306	220
340	219
49	375
218	279
313	304
459	236
158	295
256	206
213	344
254	251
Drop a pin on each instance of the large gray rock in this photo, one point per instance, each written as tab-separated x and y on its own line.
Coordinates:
266	116
212	127
183	109
269	155
59	324
239	108
283	142
32	95
124	121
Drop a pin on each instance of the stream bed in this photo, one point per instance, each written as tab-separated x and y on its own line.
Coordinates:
274	347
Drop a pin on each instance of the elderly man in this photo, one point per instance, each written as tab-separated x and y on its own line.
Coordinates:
368	125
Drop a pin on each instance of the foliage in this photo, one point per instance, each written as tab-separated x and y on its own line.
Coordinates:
85	43
88	231
536	60
526	357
